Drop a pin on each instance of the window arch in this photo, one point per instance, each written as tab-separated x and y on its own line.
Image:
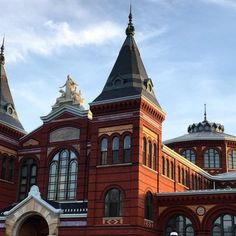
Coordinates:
144	146
113	203
211	158
180	224
224	225
103	151
62	181
148	206
4	168
115	150
154	156
149	154
190	155
28	174
126	148
232	159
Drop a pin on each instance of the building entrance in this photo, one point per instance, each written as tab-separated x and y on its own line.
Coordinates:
34	226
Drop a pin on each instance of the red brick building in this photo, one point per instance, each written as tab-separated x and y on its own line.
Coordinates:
106	171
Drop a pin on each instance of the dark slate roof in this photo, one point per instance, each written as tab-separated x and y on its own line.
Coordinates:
128	76
203	131
8	113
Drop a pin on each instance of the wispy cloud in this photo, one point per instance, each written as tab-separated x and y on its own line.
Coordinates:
223	3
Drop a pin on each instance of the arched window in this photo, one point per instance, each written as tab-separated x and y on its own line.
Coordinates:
179	175
144	150
115	150
149	154
103	149
154	156
113	203
183	176
127	146
186	178
62	181
172	170
163	166
211	158
180	224
148	206
224	225
167	168
11	169
4	168
190	155
28	174
232	159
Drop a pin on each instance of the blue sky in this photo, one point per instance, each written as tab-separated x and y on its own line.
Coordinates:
187	46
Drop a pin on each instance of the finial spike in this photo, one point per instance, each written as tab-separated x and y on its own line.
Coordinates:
205	115
130	29
2	58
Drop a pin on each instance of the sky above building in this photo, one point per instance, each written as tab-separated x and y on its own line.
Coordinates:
188	48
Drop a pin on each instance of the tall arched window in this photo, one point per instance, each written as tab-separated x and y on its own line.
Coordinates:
183	176
115	150
148	206
144	146
113	203
163	166
179	175
224	225
28	174
149	154
127	146
154	156
11	169
4	168
190	155
232	159
62	181
172	170
180	224
167	168
103	150
211	158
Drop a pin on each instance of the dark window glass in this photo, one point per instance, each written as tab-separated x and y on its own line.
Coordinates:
167	168
154	156
144	150
232	159
224	225
11	170
211	158
183	177
113	203
127	146
149	154
180	224
4	168
103	149
63	171
179	175
190	155
115	150
28	175
163	166
172	170
148	208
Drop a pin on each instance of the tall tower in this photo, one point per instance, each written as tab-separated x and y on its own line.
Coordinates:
11	131
125	144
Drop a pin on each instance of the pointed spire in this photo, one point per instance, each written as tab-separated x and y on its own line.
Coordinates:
2	58
205	115
130	28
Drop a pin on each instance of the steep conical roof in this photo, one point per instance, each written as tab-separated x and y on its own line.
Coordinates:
8	113
128	78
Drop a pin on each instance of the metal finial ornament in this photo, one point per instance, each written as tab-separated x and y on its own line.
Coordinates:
205	115
130	28
2	58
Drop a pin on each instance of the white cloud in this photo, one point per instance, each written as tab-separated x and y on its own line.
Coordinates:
223	3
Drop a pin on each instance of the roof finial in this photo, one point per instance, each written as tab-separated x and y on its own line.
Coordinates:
205	115
130	29
2	58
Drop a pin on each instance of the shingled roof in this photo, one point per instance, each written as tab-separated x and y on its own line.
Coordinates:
8	115
128	78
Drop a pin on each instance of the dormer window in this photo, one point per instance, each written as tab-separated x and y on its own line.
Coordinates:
149	85
10	109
